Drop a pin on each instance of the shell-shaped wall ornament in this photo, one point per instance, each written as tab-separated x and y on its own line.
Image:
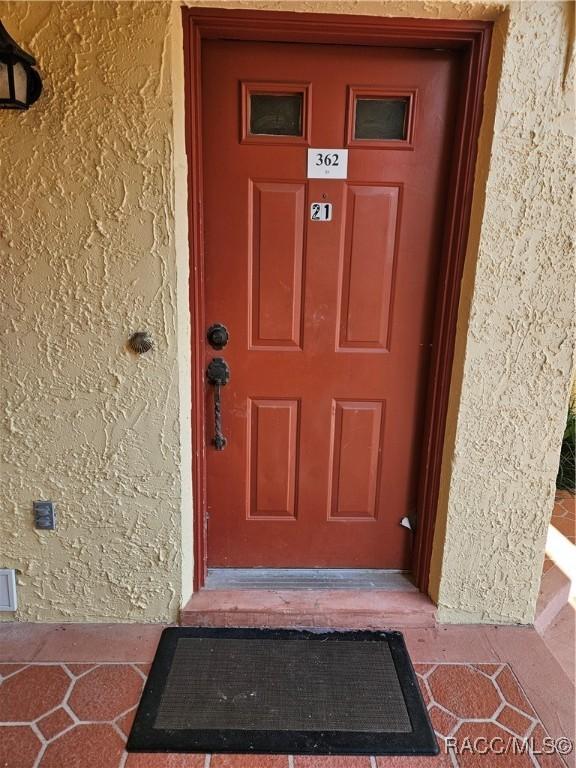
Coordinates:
140	342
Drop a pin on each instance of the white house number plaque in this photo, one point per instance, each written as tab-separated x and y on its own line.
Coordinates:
327	163
321	212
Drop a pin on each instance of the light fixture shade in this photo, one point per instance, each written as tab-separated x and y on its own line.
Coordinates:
20	83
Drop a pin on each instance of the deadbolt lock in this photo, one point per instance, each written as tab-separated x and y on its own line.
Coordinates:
217	336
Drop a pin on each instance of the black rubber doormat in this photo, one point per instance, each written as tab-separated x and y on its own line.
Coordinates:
282	691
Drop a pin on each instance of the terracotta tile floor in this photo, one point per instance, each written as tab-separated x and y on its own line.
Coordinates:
78	715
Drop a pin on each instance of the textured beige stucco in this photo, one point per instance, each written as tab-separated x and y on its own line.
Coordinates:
94	246
88	256
513	365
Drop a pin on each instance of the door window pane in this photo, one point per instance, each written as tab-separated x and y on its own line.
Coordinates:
276	114
383	118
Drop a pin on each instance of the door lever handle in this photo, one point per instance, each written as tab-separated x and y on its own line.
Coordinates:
218	375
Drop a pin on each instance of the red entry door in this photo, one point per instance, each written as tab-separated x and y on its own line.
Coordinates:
329	321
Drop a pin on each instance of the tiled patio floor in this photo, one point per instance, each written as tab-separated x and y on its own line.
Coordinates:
58	709
79	715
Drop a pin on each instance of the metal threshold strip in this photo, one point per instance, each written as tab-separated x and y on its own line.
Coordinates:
309	578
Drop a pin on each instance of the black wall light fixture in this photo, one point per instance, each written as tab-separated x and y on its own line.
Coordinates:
20	84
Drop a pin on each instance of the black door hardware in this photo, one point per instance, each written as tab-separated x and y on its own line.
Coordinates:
218	374
217	336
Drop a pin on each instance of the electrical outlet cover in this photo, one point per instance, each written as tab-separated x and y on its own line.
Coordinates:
8	600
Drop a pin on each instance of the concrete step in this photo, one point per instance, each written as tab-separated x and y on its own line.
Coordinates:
331	609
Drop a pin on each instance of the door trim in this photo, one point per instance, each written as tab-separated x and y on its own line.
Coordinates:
472	39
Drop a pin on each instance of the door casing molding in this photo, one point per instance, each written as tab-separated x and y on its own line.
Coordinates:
472	39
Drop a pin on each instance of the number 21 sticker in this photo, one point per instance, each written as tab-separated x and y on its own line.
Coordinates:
327	163
321	211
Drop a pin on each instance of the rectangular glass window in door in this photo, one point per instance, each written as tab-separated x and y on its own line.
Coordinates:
275	113
382	118
376	118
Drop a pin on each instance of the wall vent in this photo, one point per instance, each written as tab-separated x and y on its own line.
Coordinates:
8	600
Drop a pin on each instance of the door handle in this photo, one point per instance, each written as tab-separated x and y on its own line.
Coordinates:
218	375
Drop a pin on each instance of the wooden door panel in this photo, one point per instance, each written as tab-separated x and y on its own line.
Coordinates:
275	281
368	264
273	459
356	448
330	322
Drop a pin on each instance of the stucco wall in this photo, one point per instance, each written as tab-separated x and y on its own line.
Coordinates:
94	247
88	256
513	367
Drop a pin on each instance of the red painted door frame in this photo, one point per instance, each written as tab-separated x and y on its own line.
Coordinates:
472	39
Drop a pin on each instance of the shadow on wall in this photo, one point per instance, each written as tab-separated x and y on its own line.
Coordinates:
566	478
